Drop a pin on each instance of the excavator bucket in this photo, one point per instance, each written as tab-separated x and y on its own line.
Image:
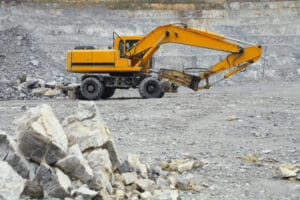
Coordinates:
179	78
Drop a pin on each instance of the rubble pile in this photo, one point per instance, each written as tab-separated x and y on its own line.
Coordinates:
21	57
77	159
35	88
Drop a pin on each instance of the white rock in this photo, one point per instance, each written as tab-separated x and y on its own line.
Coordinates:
134	163
86	127
129	177
10	153
11	184
40	135
76	167
287	170
145	184
185	166
119	195
113	155
146	195
84	192
39	91
100	163
165	194
19	163
55	182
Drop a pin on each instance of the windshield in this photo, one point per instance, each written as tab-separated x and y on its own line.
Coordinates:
129	44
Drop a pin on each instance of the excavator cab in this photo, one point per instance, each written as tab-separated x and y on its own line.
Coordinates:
124	43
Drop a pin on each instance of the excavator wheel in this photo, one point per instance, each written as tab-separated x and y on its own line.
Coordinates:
91	88
108	92
150	88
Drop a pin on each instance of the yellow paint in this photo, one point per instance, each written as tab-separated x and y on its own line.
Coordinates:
136	58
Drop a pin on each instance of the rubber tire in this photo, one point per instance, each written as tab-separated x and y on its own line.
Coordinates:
145	93
108	92
96	94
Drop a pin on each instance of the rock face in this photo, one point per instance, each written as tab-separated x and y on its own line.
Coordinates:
55	182
33	190
86	128
11	154
40	135
102	169
76	166
4	145
11	184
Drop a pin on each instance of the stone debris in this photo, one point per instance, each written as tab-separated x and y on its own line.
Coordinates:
76	167
129	177
165	195
187	183
84	192
145	184
11	154
4	145
40	135
33	190
100	163
232	118
289	171
180	165
55	182
86	128
63	162
133	163
145	195
11	184
113	155
19	163
253	158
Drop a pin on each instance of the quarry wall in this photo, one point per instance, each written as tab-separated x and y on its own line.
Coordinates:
57	27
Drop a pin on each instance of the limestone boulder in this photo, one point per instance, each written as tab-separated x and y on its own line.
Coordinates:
113	155
75	165
84	192
19	163
100	163
86	127
54	181
10	153
129	177
11	184
40	135
33	190
145	185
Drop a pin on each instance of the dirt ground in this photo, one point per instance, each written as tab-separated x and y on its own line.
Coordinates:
216	126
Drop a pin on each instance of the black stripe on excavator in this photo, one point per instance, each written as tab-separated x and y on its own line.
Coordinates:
195	82
93	64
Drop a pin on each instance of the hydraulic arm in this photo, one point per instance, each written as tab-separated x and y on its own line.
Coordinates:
241	54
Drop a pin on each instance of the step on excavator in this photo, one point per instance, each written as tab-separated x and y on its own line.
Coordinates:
129	63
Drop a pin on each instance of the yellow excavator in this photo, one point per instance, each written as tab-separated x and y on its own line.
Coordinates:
129	63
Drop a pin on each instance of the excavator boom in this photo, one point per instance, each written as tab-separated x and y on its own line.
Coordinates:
241	54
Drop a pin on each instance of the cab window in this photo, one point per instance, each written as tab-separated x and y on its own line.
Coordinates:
129	44
121	48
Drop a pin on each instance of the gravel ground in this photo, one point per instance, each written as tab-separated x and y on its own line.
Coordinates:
215	126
